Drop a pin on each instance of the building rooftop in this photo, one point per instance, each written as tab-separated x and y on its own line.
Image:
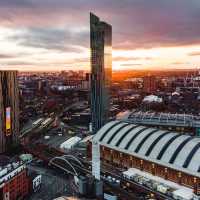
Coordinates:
170	149
154	118
10	170
152	98
179	190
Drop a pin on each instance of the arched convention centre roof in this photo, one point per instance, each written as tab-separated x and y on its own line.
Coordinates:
175	150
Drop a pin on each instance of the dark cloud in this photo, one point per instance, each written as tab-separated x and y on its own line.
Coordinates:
51	39
194	53
6	56
159	23
16	3
11	56
21	63
36	13
136	23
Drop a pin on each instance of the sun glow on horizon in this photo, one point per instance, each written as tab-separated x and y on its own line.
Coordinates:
17	55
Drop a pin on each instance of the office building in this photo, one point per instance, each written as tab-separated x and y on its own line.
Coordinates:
149	84
9	110
14	182
101	70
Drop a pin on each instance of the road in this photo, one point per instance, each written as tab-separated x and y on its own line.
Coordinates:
29	128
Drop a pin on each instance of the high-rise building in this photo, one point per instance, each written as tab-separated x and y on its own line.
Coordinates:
149	84
101	70
9	110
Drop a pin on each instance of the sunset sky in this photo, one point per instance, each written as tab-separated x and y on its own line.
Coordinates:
54	34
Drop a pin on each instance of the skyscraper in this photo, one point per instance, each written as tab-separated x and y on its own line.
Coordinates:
101	70
149	84
9	110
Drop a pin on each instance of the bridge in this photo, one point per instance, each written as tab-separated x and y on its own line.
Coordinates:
76	166
68	163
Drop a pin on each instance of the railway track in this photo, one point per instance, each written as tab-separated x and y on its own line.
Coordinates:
46	153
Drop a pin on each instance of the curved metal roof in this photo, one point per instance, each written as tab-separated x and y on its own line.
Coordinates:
170	149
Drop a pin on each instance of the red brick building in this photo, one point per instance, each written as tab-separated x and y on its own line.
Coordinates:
14	182
170	155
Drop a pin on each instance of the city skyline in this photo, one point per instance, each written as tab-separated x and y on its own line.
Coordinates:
53	36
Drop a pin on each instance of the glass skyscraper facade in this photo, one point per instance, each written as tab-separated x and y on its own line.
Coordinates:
101	70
